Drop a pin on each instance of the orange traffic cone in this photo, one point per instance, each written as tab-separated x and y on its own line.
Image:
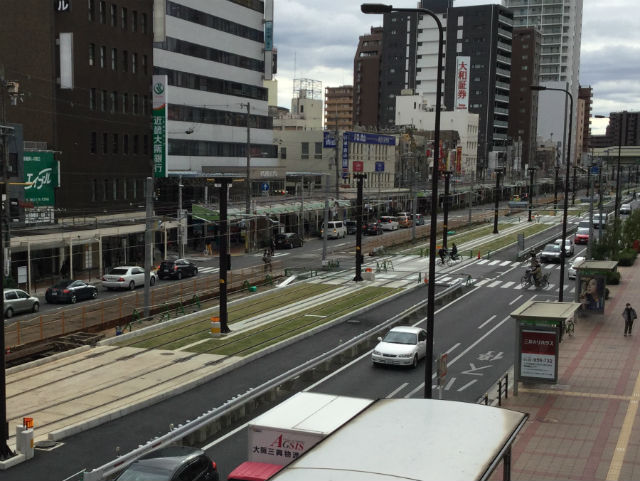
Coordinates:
479	256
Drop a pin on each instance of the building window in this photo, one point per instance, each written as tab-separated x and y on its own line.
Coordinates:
93	142
134	63
103	101
283	152
114	15
114	59
145	144
144	64
92	98
114	182
105	192
318	154
92	54
94	188
134	104
114	102
134	185
114	145
125	103
125	61
124	189
105	143
91	5
143	23
103	12
125	144
145	102
134	21
103	56
136	141
124	18
305	151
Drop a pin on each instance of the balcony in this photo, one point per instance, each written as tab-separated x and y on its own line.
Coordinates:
502	98
505	33
505	20
503	72
504	46
503	59
501	124
500	111
502	85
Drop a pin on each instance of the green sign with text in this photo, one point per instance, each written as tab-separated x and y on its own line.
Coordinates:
41	170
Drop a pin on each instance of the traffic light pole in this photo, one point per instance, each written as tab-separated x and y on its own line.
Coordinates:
359	257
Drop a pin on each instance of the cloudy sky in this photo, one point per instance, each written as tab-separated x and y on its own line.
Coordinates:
317	39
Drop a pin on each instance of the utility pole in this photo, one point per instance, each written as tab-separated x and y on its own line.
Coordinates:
180	217
573	193
223	183
360	178
326	218
148	244
336	156
531	172
497	200
301	224
445	213
555	191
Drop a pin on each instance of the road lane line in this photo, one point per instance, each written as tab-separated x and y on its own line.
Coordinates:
487	322
452	348
507	284
419	388
494	283
470	383
515	300
449	384
396	391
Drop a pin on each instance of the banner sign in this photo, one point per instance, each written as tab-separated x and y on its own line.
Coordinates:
592	293
462	83
539	353
268	36
365	138
379	166
41	169
159	135
328	140
345	156
358	166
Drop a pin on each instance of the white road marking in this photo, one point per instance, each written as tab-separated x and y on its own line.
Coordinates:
483	261
507	285
467	385
487	322
482	282
449	384
494	283
505	263
452	348
397	390
493	263
515	300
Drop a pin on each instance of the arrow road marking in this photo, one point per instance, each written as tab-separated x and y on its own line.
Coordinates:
474	368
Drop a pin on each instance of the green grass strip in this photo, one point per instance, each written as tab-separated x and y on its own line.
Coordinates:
511	238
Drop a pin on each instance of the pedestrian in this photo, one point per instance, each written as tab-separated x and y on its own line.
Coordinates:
629	314
273	246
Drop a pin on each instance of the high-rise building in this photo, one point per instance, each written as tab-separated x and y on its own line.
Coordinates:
523	105
366	73
623	129
560	22
585	100
215	56
338	107
84	69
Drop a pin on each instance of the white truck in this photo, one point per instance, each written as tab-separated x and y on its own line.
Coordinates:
285	432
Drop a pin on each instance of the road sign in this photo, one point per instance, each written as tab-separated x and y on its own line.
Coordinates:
264	186
358	166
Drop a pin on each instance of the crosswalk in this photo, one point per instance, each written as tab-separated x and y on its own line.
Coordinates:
207	270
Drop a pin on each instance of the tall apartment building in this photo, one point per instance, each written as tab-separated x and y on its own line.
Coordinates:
481	37
523	105
338	108
560	22
585	100
215	56
366	73
84	69
623	129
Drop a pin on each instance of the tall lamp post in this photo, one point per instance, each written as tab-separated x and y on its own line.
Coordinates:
566	187
380	8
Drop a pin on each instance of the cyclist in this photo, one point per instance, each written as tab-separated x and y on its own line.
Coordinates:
454	251
442	252
535	269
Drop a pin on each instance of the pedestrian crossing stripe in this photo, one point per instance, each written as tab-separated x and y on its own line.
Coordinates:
493	263
507	285
208	269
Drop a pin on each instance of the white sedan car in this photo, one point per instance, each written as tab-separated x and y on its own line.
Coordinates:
126	277
568	246
571	272
402	346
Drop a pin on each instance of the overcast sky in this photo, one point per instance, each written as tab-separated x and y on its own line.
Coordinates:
318	39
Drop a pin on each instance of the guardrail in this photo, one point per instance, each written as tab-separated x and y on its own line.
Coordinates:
242	406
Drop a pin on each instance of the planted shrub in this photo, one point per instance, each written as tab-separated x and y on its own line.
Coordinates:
613	278
627	257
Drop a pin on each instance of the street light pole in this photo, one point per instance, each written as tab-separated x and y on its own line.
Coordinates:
532	171
497	200
566	188
616	210
379	8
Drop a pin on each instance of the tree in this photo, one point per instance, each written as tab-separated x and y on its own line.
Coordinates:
631	229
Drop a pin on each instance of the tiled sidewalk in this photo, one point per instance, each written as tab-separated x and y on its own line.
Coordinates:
587	426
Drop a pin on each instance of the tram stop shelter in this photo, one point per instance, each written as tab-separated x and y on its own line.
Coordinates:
591	283
538	335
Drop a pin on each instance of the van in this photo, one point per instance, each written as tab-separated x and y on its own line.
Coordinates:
336	230
388	222
625	209
405	219
597	222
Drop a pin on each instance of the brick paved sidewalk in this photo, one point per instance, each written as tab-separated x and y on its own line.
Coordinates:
587	426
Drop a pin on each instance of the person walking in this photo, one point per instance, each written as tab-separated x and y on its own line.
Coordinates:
629	314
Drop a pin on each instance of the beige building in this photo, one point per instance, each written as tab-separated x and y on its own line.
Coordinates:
338	108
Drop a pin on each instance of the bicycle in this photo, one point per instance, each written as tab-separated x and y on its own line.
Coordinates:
528	280
452	260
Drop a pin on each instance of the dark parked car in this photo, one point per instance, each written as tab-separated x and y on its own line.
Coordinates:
288	240
351	225
373	228
172	463
71	291
177	269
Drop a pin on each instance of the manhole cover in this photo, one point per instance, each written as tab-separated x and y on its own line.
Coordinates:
48	444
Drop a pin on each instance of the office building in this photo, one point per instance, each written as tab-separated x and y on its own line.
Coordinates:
366	73
523	105
338	107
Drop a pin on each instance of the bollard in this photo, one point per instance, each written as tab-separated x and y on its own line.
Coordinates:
215	327
419	277
479	256
24	438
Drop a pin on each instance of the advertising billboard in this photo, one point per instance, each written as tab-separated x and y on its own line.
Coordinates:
462	83
41	170
159	126
592	293
539	353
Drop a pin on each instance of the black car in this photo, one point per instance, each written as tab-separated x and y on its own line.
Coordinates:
374	228
71	291
172	463
351	225
288	240
177	269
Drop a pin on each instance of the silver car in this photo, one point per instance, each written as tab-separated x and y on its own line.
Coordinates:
17	301
402	346
571	272
126	277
